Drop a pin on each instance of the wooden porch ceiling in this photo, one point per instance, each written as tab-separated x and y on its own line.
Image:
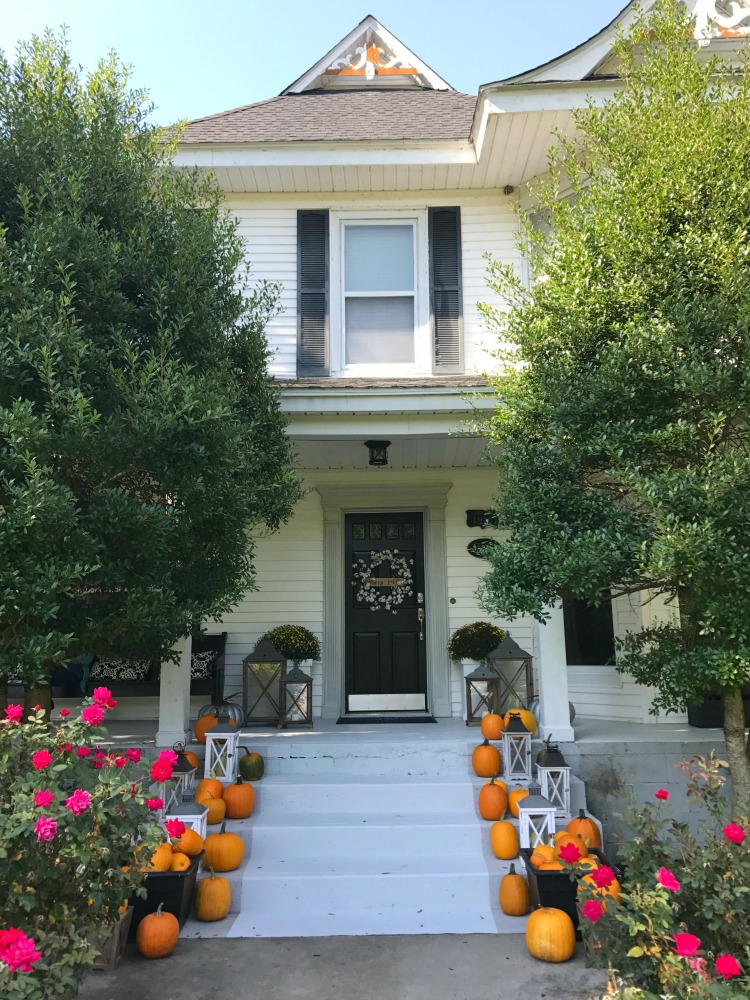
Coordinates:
439	452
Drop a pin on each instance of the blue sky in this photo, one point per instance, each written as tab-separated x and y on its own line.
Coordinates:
198	57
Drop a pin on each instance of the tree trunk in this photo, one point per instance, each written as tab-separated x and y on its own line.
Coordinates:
37	694
738	751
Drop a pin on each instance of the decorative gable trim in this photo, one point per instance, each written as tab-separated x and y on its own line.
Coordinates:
714	19
369	54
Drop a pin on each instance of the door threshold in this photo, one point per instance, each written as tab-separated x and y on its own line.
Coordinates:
379	719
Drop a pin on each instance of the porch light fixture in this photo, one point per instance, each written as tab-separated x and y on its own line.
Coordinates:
514	667
536	821
554	779
482	693
295	699
222	758
516	751
378	452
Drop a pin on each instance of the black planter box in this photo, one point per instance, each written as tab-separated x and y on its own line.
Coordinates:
710	715
174	890
551	888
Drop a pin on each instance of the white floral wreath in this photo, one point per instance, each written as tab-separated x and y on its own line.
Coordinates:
374	596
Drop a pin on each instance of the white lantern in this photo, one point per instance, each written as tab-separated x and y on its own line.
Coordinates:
222	759
192	814
516	741
536	821
554	778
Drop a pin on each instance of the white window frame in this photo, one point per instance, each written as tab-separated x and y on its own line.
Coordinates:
422	364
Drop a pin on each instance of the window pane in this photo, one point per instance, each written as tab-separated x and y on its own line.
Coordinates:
380	331
379	259
589	633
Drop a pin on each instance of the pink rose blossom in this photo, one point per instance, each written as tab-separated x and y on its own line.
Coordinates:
41	759
155	804
83	752
99	754
134	754
667	879
686	945
97	765
734	833
46	828
64	713
603	877
168	756
43	798
592	910
111	703
174	827
17	951
161	771
101	696
14	713
120	762
728	966
699	965
662	794
78	802
92	715
569	853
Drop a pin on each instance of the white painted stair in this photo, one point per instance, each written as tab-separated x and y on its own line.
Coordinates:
343	841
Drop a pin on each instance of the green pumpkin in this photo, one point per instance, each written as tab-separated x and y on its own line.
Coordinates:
252	767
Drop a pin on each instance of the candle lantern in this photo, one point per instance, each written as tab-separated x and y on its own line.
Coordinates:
482	693
175	790
192	814
536	821
515	670
222	758
190	772
554	778
295	698
516	749
261	671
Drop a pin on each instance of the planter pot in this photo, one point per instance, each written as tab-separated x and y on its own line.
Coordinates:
710	715
174	890
112	947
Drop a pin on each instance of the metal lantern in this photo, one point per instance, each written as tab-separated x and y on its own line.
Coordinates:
554	779
192	814
482	693
175	789
515	669
536	821
222	758
295	699
516	741
261	671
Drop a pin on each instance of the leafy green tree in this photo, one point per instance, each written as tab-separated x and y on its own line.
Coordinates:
140	432
623	414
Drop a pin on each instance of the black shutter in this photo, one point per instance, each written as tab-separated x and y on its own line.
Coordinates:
312	294
446	299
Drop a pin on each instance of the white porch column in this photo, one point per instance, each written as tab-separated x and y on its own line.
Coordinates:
174	696
552	671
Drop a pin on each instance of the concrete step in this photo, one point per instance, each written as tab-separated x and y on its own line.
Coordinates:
336	793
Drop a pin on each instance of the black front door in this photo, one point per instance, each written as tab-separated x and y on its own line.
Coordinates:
386	665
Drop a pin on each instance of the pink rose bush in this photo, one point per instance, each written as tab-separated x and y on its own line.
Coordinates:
69	818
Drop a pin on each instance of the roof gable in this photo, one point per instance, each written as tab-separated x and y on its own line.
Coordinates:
369	56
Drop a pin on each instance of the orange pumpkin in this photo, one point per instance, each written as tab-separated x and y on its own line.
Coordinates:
587	864
203	725
123	908
612	890
551	866
190	843
587	830
180	862
193	758
223	851
240	799
209	786
526	718
514	894
515	797
217	809
493	800
570	838
157	934
542	854
492	726
161	859
486	760
213	897
550	935
504	840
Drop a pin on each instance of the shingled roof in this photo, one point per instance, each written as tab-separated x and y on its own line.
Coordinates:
342	116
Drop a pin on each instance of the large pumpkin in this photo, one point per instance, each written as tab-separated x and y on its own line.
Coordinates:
493	800
252	766
239	799
587	830
206	722
161	859
209	786
550	935
504	840
486	760
514	894
515	797
157	934
492	726
223	851
213	897
190	843
564	838
217	809
526	718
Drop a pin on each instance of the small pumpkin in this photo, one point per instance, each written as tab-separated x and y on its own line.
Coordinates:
217	809
542	854
485	760
493	800
121	909
587	864
209	786
193	758
252	766
190	843
526	718
213	897
514	894
223	851
550	935
492	726
504	840
551	866
161	859
612	890
515	797
240	799
587	830
180	862
157	934
566	838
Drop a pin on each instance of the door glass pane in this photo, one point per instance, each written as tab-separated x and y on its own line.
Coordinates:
391	531
379	259
408	531
358	531
380	331
376	531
